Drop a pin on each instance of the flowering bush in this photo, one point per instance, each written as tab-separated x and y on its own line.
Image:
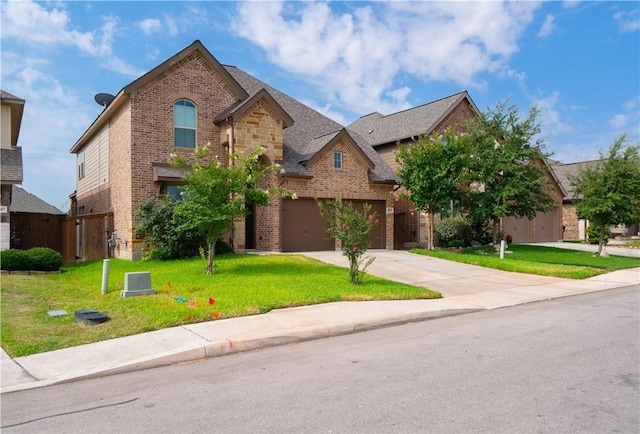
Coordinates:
351	228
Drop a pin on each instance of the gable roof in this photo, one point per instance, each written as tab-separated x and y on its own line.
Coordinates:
310	132
316	148
124	93
241	107
379	130
565	171
23	201
16	105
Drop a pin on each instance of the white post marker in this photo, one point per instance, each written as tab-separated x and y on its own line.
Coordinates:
503	247
105	276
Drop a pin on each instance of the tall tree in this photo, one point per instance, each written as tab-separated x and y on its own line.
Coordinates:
505	173
216	193
431	171
610	189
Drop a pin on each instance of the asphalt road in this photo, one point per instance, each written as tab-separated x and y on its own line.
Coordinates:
567	365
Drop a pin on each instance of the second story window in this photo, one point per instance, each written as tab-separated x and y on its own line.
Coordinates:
184	124
80	160
337	160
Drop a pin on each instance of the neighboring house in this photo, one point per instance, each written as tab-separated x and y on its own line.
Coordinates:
11	110
34	222
575	227
545	226
191	99
385	132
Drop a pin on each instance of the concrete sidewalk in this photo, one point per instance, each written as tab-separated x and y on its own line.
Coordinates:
465	288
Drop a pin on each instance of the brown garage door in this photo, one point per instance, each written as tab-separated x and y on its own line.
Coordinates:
377	239
518	228
546	226
304	228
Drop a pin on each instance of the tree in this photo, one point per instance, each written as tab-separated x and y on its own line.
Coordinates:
352	229
215	193
505	176
432	171
610	189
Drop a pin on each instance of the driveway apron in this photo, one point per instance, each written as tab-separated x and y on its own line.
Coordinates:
451	279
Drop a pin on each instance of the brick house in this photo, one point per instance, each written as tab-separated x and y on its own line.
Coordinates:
192	99
384	133
575	228
11	110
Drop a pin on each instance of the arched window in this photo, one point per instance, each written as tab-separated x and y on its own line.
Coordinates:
184	124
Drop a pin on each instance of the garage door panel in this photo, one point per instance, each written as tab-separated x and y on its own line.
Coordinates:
304	228
546	226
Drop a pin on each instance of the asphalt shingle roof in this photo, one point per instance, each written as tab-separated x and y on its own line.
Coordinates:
310	131
23	201
565	171
378	129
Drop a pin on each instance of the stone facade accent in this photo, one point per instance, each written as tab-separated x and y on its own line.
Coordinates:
570	223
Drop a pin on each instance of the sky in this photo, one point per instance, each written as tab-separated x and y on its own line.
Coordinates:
577	61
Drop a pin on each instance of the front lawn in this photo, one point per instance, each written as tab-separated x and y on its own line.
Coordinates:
545	261
242	285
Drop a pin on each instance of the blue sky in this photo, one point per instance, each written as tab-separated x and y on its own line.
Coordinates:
578	61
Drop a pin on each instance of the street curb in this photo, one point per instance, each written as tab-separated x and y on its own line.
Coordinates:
223	347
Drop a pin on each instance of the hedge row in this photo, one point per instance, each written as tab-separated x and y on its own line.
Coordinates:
36	258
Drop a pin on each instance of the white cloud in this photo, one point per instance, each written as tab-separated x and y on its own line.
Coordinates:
356	56
150	25
570	4
548	27
36	25
628	21
550	121
629	121
170	22
619	121
32	23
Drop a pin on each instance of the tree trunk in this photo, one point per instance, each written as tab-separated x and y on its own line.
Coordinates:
210	257
496	225
602	251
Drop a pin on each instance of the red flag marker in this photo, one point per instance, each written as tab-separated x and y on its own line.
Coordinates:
211	300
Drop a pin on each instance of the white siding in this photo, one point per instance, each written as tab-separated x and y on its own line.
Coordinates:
96	163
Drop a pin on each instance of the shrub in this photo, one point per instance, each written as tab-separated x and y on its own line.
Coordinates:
45	259
15	260
222	248
164	232
454	229
593	234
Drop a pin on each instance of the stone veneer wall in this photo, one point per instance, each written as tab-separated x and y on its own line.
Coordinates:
570	222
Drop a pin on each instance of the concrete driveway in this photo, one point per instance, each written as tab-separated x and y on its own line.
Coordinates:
451	279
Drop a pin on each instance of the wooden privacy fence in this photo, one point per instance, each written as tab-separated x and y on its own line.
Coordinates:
77	238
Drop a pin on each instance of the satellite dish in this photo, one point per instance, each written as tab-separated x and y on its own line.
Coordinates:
104	99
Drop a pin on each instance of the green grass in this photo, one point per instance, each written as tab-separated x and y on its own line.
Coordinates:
633	243
242	285
540	260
